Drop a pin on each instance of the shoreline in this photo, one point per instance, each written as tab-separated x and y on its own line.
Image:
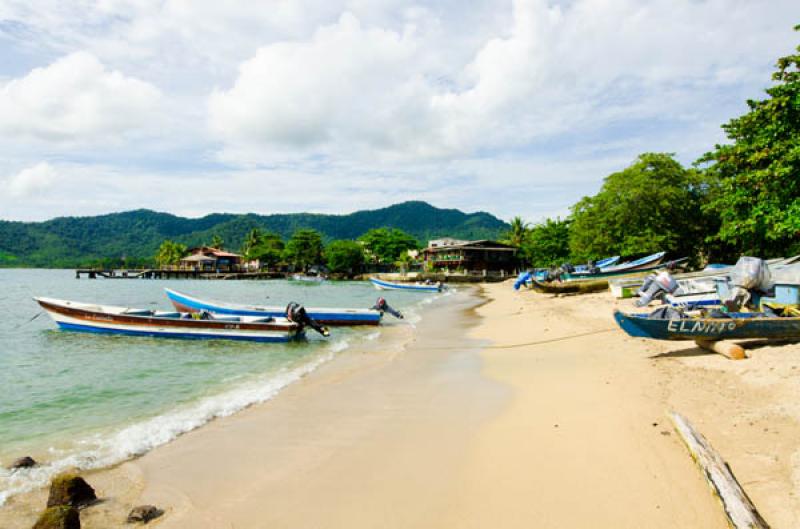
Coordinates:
503	409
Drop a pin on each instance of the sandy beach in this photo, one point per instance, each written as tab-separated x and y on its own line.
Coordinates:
500	409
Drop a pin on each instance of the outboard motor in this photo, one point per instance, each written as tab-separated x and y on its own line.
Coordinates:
567	268
296	313
383	306
656	287
750	275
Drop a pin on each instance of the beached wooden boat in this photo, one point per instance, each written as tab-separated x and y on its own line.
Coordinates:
411	287
738	325
88	317
325	316
569	287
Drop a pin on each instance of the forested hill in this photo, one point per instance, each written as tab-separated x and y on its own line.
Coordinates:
80	241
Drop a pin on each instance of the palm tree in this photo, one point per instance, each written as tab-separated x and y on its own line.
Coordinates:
251	241
170	253
217	242
518	232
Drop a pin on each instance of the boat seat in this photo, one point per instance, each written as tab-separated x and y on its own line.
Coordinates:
138	312
160	314
219	317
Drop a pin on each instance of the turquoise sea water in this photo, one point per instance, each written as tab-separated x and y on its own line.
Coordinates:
76	399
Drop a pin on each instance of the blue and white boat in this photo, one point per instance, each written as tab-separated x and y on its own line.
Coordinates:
324	316
108	319
413	287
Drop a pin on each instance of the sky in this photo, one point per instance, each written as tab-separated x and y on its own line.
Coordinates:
515	107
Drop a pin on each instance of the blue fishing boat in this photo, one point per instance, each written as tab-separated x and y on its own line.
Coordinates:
413	287
325	316
737	325
602	263
645	264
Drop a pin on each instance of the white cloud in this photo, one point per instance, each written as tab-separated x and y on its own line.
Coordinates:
35	180
512	106
351	91
75	99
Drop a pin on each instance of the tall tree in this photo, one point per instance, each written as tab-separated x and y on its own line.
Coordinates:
251	240
757	196
265	247
386	245
170	253
345	257
517	233
652	205
547	243
304	249
217	242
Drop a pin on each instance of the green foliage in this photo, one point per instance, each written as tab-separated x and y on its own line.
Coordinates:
266	247
170	253
546	244
217	242
345	257
757	192
304	249
81	241
652	205
517	233
386	245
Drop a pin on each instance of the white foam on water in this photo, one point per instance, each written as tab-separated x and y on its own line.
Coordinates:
136	439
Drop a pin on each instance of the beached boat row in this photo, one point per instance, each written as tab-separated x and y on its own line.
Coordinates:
752	299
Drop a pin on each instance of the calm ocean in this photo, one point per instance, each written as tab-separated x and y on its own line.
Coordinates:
74	399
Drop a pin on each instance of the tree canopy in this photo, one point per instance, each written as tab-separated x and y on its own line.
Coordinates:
170	253
263	246
386	245
654	204
304	249
757	191
344	257
546	244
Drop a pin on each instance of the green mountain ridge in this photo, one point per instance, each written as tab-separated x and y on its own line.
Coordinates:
66	242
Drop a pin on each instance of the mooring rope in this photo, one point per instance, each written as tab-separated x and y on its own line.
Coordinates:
551	340
30	320
528	344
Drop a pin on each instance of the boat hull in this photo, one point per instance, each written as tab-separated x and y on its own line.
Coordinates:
324	316
385	285
569	287
738	326
76	317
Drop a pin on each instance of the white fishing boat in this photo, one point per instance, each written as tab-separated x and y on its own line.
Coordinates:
108	319
414	287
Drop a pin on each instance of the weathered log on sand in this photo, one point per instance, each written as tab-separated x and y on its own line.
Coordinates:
741	512
729	349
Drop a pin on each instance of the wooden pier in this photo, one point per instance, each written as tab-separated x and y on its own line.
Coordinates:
167	273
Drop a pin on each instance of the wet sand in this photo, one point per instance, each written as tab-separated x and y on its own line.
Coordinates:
530	411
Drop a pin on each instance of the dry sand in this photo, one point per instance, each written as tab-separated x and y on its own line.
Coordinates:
484	431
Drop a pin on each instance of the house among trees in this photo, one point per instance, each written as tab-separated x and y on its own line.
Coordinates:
209	259
471	256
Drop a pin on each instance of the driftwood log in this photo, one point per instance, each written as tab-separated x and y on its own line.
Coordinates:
740	511
729	349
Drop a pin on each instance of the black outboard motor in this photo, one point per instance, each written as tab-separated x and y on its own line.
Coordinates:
656	286
383	306
296	313
567	268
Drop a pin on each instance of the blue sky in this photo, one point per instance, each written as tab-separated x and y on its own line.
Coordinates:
513	107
